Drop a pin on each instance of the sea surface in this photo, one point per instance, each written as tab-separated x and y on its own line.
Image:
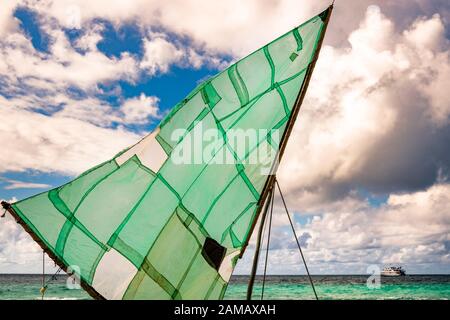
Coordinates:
415	287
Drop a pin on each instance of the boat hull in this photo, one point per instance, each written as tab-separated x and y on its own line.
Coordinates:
392	274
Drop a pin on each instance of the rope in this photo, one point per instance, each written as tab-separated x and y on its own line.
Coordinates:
258	245
45	283
44	287
296	239
5	206
268	243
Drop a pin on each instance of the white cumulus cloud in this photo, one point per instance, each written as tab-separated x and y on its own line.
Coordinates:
375	116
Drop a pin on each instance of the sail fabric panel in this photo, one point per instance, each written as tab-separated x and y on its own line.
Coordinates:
217	289
288	89
83	254
124	188
143	287
144	223
239	229
73	192
286	68
209	185
190	111
229	101
167	218
199	273
113	275
227	266
149	152
256	73
177	235
39	213
234	200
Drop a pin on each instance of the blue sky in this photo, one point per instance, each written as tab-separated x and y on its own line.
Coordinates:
115	41
170	87
367	167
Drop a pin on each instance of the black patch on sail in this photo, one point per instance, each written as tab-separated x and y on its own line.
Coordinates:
324	14
213	252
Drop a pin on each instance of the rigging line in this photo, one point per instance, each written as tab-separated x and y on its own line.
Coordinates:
258	245
43	288
296	239
46	283
53	277
263	233
268	243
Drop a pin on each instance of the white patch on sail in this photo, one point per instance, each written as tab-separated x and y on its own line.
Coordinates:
113	275
226	268
149	152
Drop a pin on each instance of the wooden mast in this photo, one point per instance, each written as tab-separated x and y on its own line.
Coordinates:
269	185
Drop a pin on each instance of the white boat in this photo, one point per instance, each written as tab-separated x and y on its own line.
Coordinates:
393	271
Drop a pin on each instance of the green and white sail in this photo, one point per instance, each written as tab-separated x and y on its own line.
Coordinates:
147	225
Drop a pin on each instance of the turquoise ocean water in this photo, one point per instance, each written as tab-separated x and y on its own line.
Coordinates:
416	287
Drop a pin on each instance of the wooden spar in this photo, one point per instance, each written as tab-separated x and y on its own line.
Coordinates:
298	102
91	291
